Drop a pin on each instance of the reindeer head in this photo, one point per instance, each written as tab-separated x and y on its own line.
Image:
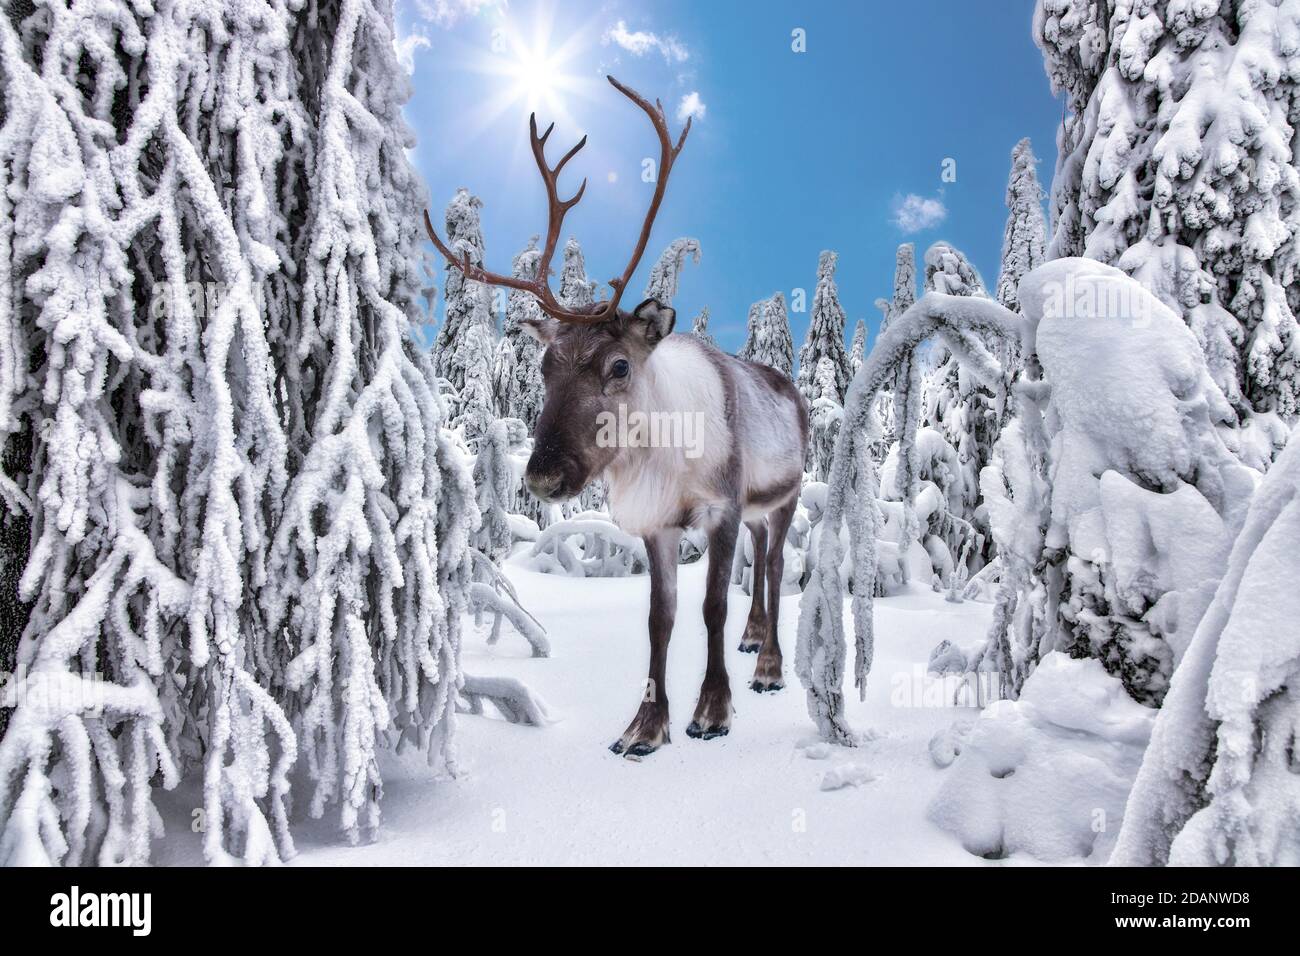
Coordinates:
588	371
594	356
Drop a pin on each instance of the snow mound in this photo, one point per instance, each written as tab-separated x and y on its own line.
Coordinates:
1047	775
847	775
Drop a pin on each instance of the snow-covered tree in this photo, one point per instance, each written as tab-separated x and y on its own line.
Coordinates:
1024	240
752	322
825	417
967	412
858	350
249	541
475	401
904	286
948	271
494	481
904	296
464	351
467	304
770	342
667	272
15	542
576	290
700	327
1123	484
825	337
503	377
1218	784
1177	164
519	394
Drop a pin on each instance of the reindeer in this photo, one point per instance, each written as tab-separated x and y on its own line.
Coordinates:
746	465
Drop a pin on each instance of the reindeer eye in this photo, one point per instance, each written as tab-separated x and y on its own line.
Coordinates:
620	369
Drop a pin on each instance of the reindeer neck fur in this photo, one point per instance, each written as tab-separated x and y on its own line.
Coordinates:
680	482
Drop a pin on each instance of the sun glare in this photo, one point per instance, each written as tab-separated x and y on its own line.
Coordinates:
536	74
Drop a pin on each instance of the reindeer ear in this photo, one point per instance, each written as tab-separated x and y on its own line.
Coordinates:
543	329
655	318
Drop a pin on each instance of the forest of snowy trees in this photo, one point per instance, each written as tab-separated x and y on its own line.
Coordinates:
250	514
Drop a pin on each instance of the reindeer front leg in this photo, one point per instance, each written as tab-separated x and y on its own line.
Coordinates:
649	728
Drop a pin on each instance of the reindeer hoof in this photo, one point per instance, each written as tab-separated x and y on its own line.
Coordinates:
647	732
754	637
762	687
694	729
638	749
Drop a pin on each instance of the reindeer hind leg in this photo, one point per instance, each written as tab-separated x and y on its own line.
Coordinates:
767	670
756	627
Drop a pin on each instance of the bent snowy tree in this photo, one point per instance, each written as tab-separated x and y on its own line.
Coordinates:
968	327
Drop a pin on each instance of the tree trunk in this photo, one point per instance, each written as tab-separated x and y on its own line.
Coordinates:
15	540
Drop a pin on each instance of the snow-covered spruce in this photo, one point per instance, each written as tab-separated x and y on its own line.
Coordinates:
1144	496
1024	240
1218	784
576	290
464	351
858	350
1177	164
769	341
965	323
826	416
1013	478
369	568
904	285
494	482
95	256
700	327
267	354
825	339
950	541
666	274
518	377
968	413
752	319
903	297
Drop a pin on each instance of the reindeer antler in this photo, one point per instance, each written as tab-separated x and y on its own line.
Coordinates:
540	285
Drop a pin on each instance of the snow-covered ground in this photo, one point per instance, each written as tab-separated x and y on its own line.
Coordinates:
556	795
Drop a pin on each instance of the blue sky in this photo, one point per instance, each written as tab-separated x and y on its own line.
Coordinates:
790	152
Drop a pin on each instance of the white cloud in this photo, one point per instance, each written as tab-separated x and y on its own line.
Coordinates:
445	13
691	106
912	213
405	45
641	42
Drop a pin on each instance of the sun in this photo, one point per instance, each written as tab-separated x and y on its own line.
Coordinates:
538	76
